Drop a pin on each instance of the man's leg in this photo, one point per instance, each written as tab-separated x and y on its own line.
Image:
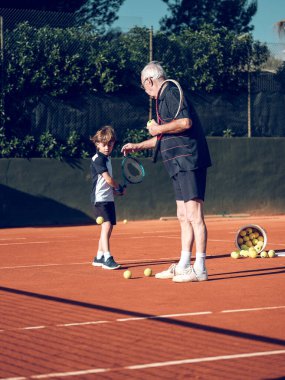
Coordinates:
195	216
187	235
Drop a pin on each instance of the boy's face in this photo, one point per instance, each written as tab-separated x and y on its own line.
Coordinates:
105	148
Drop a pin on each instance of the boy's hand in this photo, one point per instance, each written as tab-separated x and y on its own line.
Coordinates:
120	190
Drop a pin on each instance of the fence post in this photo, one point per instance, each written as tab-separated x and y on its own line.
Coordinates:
150	59
1	73
249	132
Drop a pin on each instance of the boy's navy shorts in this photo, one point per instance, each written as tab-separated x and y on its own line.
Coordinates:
190	185
106	210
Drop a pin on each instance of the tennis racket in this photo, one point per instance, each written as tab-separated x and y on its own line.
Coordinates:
172	117
132	171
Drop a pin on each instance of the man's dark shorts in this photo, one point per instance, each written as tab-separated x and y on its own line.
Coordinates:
190	185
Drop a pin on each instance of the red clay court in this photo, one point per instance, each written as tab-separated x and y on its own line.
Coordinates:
63	318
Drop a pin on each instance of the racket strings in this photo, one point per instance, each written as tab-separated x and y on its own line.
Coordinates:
133	171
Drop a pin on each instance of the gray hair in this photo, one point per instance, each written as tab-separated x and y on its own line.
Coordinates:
153	70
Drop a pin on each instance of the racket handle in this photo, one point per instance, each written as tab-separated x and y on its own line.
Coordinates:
120	189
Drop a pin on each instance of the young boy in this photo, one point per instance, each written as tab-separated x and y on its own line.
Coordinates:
102	196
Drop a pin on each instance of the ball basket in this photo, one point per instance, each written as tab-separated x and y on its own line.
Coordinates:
251	235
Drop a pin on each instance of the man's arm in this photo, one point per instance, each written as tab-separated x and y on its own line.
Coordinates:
174	126
132	147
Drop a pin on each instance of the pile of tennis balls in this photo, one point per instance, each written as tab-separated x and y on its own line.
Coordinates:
251	243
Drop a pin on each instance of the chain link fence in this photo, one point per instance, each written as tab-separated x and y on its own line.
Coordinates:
259	110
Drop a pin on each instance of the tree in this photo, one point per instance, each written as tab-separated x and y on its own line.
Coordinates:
44	5
55	62
235	15
98	12
209	59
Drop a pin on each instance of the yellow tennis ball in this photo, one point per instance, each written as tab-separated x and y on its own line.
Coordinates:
99	220
127	274
235	255
263	254
253	254
240	241
271	253
125	221
244	253
149	122
147	272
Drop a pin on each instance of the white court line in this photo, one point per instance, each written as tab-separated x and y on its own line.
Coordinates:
43	265
82	323
29	242
79	239
33	328
156	236
73	373
140	261
253	309
190	314
152	365
206	359
164	316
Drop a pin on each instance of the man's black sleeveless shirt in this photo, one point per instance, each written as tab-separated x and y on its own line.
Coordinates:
184	151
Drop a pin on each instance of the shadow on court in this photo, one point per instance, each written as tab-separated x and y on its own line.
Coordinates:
19	209
247	273
164	320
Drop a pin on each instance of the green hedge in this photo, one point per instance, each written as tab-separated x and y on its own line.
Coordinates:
47	146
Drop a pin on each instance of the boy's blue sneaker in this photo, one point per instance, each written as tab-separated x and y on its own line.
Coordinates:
98	262
110	263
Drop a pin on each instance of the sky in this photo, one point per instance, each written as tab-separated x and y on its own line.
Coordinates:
149	12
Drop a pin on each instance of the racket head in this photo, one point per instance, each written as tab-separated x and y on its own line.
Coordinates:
177	109
132	170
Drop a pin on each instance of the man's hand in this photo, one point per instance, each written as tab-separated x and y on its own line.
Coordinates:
154	129
129	148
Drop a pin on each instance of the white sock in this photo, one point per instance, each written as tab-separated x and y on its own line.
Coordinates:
107	255
100	254
184	261
199	265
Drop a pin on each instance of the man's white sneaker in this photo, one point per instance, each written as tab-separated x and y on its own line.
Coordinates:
169	273
190	276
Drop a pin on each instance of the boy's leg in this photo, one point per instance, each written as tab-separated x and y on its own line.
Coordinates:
103	245
104	242
106	231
